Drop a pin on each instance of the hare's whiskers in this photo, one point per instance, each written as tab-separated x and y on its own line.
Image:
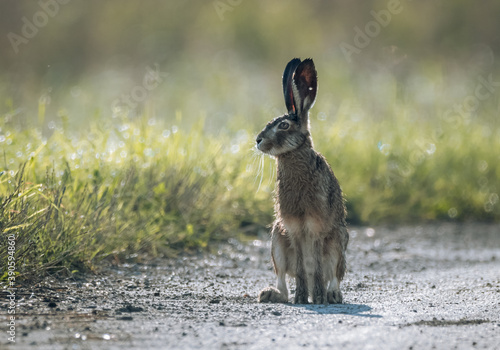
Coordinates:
261	171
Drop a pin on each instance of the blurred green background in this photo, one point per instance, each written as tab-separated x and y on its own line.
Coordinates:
128	126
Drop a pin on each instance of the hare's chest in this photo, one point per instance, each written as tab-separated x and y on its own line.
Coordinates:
302	203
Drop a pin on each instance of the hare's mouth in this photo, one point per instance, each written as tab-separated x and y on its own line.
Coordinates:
264	147
267	150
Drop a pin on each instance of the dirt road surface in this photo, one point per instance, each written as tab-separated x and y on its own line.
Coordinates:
421	287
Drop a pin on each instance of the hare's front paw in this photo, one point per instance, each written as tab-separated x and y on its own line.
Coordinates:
320	298
335	297
271	295
319	293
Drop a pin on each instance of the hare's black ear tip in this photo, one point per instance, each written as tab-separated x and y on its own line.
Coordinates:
295	62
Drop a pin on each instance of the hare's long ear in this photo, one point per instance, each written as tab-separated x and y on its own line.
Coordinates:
288	85
305	86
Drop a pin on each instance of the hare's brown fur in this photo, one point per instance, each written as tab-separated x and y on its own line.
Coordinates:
309	235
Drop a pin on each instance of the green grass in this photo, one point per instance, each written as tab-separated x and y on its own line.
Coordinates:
134	188
409	170
122	186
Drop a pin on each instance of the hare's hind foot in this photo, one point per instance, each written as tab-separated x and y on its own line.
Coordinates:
272	295
334	297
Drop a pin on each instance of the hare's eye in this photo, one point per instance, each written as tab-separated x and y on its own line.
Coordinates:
283	125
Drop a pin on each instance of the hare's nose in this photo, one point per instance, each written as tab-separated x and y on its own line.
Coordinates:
259	140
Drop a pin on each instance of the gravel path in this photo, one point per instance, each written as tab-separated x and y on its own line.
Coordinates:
425	287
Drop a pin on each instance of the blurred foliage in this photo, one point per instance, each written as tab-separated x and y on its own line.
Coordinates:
224	62
129	127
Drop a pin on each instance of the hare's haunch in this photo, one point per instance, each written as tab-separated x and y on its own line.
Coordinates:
309	235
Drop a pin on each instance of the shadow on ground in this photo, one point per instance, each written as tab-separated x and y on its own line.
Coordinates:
339	309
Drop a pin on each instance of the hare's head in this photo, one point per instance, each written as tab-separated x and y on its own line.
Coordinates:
290	131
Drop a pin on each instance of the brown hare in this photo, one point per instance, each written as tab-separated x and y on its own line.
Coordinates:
309	235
